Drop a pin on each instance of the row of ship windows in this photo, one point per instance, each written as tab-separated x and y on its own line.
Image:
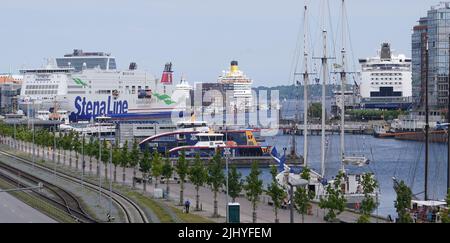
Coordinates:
386	83
386	74
42	87
40	92
386	79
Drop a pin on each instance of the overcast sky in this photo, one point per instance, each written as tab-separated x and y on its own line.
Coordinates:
200	37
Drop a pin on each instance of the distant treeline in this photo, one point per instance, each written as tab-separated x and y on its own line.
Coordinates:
294	92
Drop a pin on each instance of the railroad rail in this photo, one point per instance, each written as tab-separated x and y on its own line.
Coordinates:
133	213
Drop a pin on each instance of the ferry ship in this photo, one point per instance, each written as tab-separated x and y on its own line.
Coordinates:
386	81
88	85
197	138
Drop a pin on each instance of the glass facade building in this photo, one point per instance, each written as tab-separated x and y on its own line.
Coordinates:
436	27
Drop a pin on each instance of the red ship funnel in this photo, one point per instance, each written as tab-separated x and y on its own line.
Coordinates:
167	74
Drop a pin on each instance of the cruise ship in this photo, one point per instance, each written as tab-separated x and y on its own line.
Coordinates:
85	85
240	85
386	80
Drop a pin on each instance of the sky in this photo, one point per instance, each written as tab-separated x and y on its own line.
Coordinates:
200	37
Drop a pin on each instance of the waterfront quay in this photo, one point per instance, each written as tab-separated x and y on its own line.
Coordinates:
316	129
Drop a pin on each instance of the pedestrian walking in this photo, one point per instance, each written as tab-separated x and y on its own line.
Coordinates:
187	204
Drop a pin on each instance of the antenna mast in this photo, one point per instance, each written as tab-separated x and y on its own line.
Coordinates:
427	119
343	85
305	88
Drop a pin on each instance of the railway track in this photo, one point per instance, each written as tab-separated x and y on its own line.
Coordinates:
54	195
133	213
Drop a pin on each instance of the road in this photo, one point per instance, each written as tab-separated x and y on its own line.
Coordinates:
12	210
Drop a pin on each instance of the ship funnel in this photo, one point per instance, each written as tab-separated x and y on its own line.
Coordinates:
385	53
133	66
234	66
167	74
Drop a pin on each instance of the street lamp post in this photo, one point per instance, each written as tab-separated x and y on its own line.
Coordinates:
54	149
83	163
32	127
98	163
227	154
110	218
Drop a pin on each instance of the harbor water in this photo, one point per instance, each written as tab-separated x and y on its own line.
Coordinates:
389	158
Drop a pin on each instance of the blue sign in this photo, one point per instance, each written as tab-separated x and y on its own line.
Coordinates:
86	109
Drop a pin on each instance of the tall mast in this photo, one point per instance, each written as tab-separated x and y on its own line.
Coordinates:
448	127
343	84
427	120
305	88
324	69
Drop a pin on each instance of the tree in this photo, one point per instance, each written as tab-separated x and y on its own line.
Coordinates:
315	110
182	169
198	176
105	157
69	146
124	159
116	159
254	187
145	166
156	167
368	204
90	149
76	147
216	178
235	183
445	215
167	171
403	202
303	196
134	160
334	199
276	193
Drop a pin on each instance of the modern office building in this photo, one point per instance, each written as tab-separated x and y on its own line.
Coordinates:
436	28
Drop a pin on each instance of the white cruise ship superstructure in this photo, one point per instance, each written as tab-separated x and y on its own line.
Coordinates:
240	85
386	80
87	85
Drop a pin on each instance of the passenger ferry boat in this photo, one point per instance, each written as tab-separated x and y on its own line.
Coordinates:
88	85
197	138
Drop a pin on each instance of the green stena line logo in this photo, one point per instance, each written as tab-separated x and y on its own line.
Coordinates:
79	82
165	98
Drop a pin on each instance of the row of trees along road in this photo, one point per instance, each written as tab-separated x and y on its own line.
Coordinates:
199	175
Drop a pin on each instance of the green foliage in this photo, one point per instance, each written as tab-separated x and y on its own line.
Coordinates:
167	169
134	155
302	200
445	214
368	204
145	162
403	202
216	176
182	167
157	165
105	152
306	173
276	193
124	156
254	185
116	155
198	175
235	183
375	114
303	196
294	92
334	200
315	110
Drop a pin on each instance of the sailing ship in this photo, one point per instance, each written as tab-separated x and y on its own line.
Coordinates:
352	186
428	210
